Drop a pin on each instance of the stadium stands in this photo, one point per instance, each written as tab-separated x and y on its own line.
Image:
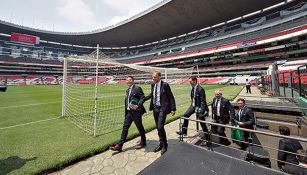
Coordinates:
246	46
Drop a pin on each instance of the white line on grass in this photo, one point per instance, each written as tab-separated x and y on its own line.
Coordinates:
33	104
39	121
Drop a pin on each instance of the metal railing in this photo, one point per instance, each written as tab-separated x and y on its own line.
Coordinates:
293	81
251	140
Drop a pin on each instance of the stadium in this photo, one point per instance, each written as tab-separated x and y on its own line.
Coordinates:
62	93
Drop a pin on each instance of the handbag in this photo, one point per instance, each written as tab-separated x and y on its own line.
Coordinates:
236	134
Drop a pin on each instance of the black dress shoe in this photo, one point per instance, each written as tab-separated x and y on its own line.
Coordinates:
140	146
180	133
158	148
205	143
243	148
163	150
226	143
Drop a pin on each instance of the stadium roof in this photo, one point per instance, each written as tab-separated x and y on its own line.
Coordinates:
168	19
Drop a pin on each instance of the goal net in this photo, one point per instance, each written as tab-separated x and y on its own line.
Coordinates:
94	89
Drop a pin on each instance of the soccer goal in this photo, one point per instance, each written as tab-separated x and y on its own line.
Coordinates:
94	90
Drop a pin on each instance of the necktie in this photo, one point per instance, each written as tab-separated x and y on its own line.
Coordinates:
155	96
128	96
216	106
240	114
192	95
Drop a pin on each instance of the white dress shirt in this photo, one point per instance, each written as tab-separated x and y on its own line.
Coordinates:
218	105
194	95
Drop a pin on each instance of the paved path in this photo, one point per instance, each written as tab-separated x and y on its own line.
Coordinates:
257	100
257	96
129	161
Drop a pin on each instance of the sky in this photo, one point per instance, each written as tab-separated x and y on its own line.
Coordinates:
71	15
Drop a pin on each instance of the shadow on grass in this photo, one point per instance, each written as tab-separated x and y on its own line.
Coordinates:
12	163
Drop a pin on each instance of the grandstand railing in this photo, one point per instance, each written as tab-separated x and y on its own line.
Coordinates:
302	80
294	81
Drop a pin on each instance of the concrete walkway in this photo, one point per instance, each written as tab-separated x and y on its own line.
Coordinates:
129	161
257	96
258	100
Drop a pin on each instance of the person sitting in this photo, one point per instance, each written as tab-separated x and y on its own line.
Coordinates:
301	169
285	147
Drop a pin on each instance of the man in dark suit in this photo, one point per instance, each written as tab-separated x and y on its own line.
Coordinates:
248	86
162	103
198	106
288	145
134	110
301	169
221	112
245	119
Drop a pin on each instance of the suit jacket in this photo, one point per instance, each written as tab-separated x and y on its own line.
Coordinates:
226	109
289	146
167	99
247	117
295	170
136	93
200	99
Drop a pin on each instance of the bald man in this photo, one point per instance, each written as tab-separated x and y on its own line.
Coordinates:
221	110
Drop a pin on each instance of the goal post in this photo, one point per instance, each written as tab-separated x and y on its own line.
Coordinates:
64	87
94	90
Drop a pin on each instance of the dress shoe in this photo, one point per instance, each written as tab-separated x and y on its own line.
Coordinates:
158	148
116	148
140	146
226	143
163	150
206	143
243	147
180	133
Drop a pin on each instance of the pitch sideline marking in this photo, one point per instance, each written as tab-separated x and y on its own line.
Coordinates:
23	124
33	104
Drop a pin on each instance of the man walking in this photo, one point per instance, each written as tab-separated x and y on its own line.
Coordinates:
134	110
245	119
162	103
221	110
248	86
198	106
